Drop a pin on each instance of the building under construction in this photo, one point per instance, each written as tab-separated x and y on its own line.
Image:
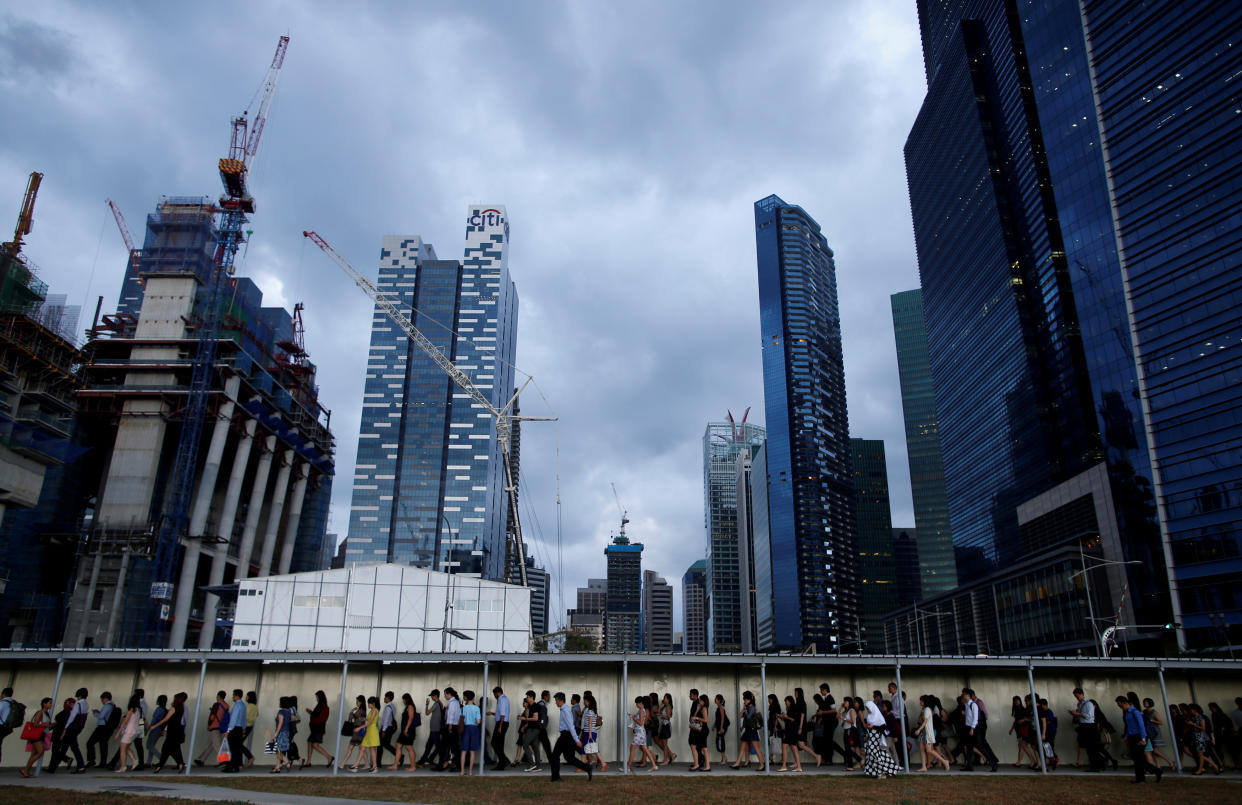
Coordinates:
38	364
261	482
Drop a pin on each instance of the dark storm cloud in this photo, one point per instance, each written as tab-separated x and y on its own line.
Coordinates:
628	141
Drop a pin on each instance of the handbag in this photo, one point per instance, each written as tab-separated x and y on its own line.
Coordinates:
33	731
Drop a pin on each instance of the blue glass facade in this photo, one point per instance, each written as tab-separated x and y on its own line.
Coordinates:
810	502
937	570
877	566
429	479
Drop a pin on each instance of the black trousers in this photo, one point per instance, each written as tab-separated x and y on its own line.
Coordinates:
385	743
432	749
543	741
1141	766
567	749
99	737
171	749
68	742
967	745
981	741
237	740
498	743
1089	740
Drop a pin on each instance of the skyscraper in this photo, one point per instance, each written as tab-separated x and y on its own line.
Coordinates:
657	613
429	480
937	568
694	602
810	481
877	567
748	595
623	604
726	553
587	618
1069	180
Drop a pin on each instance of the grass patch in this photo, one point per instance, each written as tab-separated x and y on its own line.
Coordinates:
41	795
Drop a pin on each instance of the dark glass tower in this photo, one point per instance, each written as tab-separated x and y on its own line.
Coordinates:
937	568
1073	178
877	567
810	496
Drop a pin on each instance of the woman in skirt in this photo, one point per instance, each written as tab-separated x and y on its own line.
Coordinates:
638	741
878	761
590	732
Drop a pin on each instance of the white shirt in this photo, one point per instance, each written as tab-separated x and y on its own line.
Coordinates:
1086	712
972	714
502	708
875	718
929	725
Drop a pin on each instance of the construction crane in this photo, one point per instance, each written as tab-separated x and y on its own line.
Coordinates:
135	255
624	514
25	218
235	204
503	416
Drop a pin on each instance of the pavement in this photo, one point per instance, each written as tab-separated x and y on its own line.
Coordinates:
146	784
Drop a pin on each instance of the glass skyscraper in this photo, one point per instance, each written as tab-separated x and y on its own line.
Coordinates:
937	568
810	497
727	553
1073	179
429	480
877	565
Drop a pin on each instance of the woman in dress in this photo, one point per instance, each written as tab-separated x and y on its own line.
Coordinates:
405	738
749	725
791	734
805	720
357	720
173	723
925	732
37	747
128	730
639	721
699	728
1022	727
878	761
281	737
155	732
1155	735
775	725
1200	738
720	725
590	732
664	726
370	738
849	721
318	725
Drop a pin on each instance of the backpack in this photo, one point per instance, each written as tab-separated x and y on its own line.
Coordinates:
418	719
213	717
114	718
17	716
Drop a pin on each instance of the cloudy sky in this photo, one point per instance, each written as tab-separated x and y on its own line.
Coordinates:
629	142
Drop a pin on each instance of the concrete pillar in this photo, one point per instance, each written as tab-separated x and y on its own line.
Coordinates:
295	519
227	516
90	597
199	510
257	492
118	599
279	493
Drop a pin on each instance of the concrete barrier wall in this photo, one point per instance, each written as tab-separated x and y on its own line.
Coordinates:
614	680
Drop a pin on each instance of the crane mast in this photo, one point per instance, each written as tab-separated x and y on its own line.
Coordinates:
25	218
503	416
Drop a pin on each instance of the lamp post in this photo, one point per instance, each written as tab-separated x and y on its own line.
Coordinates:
1086	574
448	591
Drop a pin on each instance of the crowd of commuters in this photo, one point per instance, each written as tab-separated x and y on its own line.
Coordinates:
872	735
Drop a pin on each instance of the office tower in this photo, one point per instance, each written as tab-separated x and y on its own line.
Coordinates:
747	574
263	480
587	618
761	542
624	600
877	567
694	602
810	482
657	613
909	567
429	480
938	569
1068	178
727	587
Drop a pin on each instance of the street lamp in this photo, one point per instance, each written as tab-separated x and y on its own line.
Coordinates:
1086	574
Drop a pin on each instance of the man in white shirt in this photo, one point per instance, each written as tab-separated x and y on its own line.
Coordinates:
450	733
387	728
1088	730
500	729
899	710
568	744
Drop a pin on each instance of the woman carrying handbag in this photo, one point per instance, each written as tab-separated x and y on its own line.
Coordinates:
38	736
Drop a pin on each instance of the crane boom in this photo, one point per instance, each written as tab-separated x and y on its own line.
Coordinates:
25	218
503	416
244	143
134	254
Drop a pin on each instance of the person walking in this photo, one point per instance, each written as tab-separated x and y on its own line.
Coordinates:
545	715
898	704
981	731
1154	724
471	740
568	743
434	711
450	734
750	724
405	738
235	731
42	720
59	723
1200	738
107	719
74	725
720	725
877	762
318	725
526	732
590	732
662	727
252	715
173	724
804	727
280	736
639	723
128	730
1135	735
7	703
790	734
217	717
387	729
1048	732
830	719
369	741
500	728
155	733
1088	732
970	740
926	734
699	730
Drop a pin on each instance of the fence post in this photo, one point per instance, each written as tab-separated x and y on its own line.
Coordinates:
621	717
1168	719
1035	721
198	708
340	717
483	742
763	708
901	718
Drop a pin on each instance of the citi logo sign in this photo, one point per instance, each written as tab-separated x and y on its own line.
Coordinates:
490	217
